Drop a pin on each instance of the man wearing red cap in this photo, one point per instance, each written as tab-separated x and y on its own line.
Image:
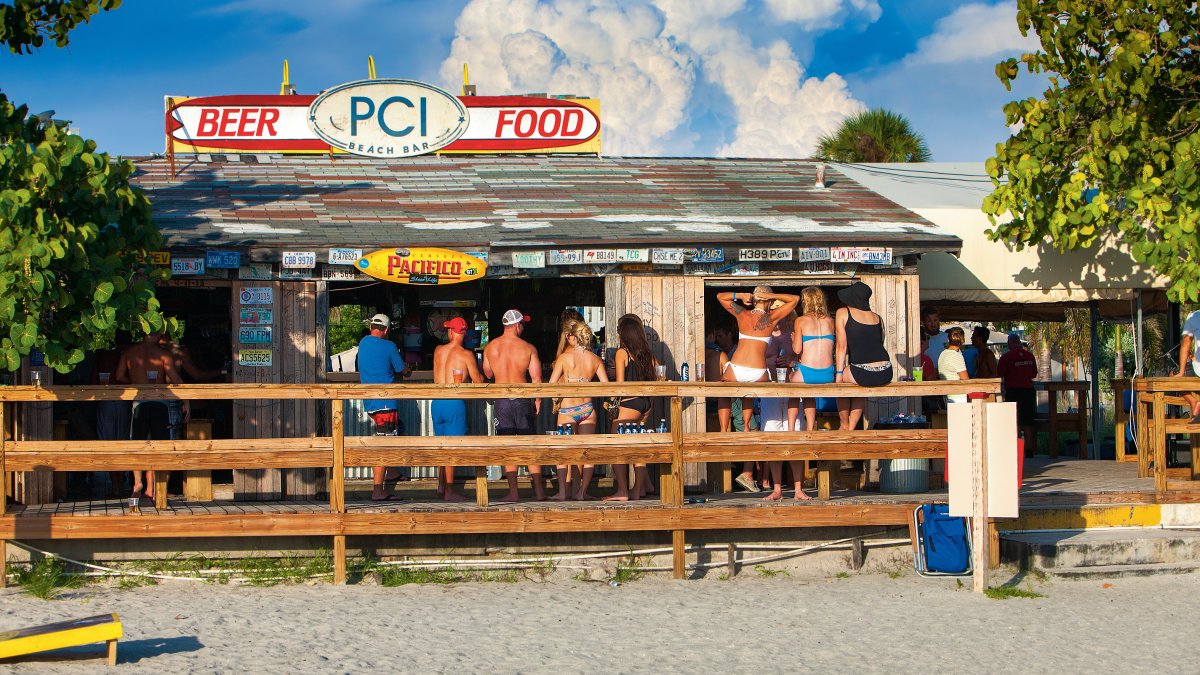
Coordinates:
452	364
510	360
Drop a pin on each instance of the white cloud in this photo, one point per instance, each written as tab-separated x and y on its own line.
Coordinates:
975	31
642	59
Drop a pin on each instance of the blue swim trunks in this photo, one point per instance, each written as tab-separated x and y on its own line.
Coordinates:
449	417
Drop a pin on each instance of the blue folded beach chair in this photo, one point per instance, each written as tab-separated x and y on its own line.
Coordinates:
943	545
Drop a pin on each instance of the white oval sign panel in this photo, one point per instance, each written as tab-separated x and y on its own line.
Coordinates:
388	118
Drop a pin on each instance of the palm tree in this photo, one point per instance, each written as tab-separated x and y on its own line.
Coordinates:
874	136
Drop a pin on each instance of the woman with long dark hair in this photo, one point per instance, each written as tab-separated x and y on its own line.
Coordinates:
861	357
634	363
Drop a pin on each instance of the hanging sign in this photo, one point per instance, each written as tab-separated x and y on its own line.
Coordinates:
529	259
599	256
387	118
222	260
299	260
256	295
422	266
280	124
255	272
764	254
564	257
187	267
254	358
255	316
812	254
708	255
338	273
667	256
633	255
254	334
344	256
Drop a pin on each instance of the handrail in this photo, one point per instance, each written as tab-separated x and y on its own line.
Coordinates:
1153	425
27	393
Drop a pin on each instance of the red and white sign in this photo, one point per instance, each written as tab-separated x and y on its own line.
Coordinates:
279	124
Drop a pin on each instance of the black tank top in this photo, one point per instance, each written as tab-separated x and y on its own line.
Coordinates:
864	341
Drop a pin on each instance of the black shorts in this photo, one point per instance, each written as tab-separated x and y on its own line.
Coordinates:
1026	400
871	378
513	416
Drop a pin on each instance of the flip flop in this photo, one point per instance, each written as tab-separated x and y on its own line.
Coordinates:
389	498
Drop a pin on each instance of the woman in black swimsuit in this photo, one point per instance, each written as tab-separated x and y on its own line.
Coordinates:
861	357
634	363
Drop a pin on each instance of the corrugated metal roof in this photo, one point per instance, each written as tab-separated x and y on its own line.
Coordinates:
530	201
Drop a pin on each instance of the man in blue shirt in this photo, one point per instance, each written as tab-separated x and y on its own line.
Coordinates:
379	362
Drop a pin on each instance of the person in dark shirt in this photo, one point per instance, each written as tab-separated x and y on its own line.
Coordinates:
1018	369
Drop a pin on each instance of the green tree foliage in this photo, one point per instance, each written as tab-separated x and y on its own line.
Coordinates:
346	326
25	24
874	136
1112	145
74	234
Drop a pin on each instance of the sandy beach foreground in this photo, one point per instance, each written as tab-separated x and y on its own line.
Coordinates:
861	623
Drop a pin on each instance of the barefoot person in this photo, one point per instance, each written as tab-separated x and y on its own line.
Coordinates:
510	360
577	363
1189	360
634	363
148	363
861	357
379	362
452	364
756	321
814	340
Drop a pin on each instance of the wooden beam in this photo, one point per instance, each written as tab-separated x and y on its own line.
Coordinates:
1166	384
486	450
169	525
1158	438
678	554
339	559
168	455
337	473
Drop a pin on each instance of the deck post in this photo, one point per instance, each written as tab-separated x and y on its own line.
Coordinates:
337	487
1158	438
675	498
481	487
3	472
980	538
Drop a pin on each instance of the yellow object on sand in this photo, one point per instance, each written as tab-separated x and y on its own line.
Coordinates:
73	633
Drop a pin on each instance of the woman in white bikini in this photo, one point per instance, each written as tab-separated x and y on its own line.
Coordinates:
577	363
756	320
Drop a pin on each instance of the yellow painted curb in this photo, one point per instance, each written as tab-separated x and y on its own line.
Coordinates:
1084	517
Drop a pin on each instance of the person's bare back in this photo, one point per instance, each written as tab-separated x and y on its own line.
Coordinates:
450	357
147	363
512	360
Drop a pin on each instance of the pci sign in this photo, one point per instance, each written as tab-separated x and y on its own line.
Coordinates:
387	118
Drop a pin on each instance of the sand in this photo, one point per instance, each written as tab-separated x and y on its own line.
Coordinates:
862	623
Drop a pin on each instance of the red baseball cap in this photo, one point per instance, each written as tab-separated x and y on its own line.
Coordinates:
457	324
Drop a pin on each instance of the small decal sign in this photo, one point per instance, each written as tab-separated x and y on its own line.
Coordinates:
254	358
299	260
422	266
256	295
222	260
812	254
529	259
255	334
667	256
344	256
187	267
633	255
598	256
745	269
817	267
255	272
338	273
565	257
764	254
255	316
708	255
160	258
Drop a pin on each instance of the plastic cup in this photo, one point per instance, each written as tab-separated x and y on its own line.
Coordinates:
781	374
458	376
152	375
919	375
662	371
105	377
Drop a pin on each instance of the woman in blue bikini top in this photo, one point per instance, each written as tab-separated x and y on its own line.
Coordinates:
813	340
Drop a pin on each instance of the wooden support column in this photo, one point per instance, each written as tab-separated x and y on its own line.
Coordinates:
3	471
993	544
197	485
824	469
675	496
481	487
1158	439
339	559
979	522
337	487
160	489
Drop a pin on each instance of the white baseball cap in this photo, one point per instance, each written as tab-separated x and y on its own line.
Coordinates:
514	316
381	320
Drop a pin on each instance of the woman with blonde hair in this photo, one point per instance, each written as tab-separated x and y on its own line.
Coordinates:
576	363
634	363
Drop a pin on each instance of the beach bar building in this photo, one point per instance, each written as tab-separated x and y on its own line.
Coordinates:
264	241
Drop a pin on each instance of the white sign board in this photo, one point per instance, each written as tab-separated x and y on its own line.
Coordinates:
1003	501
529	259
667	256
255	295
633	255
388	118
764	254
344	256
565	257
300	260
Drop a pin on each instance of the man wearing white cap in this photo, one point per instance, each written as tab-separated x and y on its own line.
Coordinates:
379	362
510	360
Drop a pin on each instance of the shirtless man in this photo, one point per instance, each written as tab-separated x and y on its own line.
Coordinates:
148	363
452	364
510	360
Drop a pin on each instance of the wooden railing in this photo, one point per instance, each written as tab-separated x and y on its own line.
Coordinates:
338	451
1153	424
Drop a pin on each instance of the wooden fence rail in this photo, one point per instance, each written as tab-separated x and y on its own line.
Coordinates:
337	451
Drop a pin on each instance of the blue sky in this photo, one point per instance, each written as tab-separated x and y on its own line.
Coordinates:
675	77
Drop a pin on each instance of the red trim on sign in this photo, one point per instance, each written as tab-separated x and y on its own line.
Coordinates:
516	143
259	144
241	101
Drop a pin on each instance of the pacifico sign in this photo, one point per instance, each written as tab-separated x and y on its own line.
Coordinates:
422	266
387	118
